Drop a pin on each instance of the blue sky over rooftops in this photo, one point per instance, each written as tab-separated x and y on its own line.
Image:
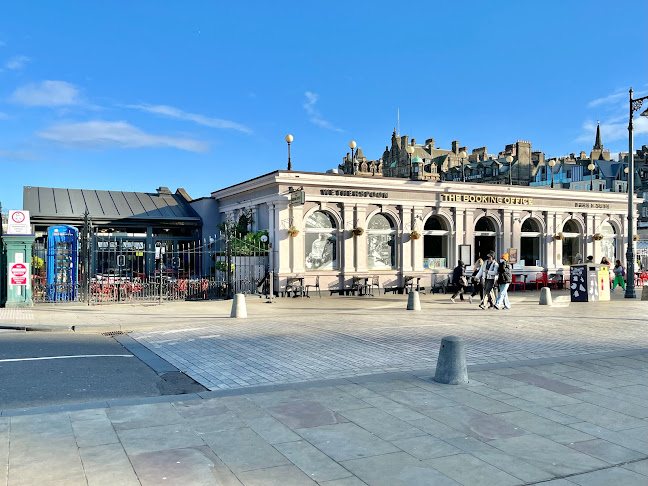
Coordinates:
133	95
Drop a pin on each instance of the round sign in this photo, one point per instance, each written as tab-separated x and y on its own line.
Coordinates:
18	269
18	217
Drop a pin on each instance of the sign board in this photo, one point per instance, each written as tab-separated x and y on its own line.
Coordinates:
297	198
18	273
18	223
513	255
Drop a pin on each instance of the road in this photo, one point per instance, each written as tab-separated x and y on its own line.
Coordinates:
53	368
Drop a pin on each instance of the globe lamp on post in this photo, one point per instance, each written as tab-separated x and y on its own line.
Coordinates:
289	139
410	151
352	146
509	161
591	168
552	163
462	156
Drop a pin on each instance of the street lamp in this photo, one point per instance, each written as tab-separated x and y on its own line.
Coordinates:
552	163
591	168
462	156
635	105
509	160
289	139
625	171
410	151
352	145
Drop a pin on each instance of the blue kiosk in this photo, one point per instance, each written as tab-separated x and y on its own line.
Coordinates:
62	263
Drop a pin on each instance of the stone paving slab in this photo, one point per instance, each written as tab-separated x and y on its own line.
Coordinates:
344	434
297	340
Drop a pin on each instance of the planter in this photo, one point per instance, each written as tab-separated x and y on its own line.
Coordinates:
597	237
292	231
357	231
415	235
559	236
635	238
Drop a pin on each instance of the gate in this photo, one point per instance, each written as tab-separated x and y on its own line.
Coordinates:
130	269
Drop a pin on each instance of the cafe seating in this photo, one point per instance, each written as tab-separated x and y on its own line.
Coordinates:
371	284
316	286
294	285
516	282
441	283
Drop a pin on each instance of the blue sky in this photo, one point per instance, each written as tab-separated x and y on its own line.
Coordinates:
134	95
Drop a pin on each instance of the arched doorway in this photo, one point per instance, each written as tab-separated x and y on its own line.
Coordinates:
485	237
321	242
609	242
435	243
381	243
571	243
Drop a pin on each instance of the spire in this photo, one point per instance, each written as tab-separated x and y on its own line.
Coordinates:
597	144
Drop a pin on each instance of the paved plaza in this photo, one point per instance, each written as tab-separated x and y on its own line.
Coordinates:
560	424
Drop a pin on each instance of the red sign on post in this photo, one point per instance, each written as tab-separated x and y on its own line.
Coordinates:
17	274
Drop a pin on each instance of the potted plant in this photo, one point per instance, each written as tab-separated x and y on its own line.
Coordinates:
292	231
415	235
635	238
357	231
598	236
559	236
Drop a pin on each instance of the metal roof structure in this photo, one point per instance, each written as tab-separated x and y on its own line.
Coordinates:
68	204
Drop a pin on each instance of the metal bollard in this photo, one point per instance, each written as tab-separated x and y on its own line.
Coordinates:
545	296
238	306
414	301
451	364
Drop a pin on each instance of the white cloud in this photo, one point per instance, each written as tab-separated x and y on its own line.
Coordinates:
99	134
17	62
178	114
606	100
611	132
47	93
314	115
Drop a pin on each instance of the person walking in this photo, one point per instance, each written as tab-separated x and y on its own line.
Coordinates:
478	282
504	278
605	261
489	273
619	273
459	279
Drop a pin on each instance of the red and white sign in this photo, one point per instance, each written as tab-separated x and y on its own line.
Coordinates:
18	223
18	273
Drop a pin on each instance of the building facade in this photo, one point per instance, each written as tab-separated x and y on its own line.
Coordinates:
394	227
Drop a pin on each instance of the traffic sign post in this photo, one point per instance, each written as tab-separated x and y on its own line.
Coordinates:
17	276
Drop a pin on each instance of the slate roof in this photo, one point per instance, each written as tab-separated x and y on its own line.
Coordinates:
109	205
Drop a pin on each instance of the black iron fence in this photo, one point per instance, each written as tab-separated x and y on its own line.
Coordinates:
127	269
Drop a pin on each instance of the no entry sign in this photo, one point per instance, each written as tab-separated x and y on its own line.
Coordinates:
17	274
18	223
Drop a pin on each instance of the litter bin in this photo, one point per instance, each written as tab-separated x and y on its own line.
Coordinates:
589	283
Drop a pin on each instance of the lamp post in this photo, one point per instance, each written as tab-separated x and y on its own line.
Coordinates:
410	151
352	146
630	254
462	156
552	163
289	139
625	171
509	161
591	168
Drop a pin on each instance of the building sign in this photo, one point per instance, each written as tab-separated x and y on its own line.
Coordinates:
18	223
472	198
591	205
297	198
18	273
336	192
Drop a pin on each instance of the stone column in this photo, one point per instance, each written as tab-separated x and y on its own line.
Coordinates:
282	240
515	232
347	240
298	257
417	245
587	237
360	242
403	240
469	235
596	245
548	242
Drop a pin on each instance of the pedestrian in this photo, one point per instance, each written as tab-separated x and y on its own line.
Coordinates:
478	282
489	272
590	259
504	279
604	261
460	281
619	273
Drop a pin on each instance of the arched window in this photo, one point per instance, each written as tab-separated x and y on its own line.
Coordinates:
485	237
381	243
435	243
530	243
609	242
571	243
321	242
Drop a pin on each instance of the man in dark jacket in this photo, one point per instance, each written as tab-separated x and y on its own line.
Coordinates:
504	277
459	279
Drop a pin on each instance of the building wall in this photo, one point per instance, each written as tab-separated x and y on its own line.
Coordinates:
352	201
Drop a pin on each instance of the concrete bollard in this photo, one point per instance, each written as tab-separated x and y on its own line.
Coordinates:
545	296
451	364
644	293
414	301
238	306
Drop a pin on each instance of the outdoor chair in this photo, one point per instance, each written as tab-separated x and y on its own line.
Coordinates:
316	286
518	282
294	285
408	284
440	284
539	280
371	284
